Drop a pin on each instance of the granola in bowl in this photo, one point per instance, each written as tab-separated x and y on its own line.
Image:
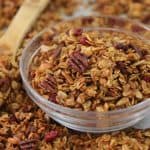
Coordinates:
91	69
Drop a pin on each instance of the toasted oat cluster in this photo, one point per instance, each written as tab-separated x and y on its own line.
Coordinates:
90	69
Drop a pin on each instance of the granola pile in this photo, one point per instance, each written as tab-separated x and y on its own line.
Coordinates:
24	126
92	70
135	9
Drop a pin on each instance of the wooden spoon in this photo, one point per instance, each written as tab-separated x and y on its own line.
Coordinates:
21	24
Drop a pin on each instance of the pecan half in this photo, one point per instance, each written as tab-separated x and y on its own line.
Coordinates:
28	144
49	84
78	62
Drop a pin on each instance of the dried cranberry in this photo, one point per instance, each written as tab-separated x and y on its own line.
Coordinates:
77	32
84	41
146	78
52	98
50	136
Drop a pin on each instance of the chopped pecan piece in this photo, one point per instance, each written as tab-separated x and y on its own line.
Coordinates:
13	118
139	51
49	84
125	47
28	144
78	62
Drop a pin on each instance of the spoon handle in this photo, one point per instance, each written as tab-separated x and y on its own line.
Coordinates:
21	24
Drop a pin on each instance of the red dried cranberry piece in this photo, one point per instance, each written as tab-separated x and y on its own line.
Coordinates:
50	136
146	78
52	98
84	41
77	32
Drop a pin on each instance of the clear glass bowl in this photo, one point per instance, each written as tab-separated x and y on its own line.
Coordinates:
95	122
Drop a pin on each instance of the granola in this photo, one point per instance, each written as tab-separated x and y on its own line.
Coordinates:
21	119
135	9
92	70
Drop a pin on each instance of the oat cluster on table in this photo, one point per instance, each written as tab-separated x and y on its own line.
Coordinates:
92	70
22	122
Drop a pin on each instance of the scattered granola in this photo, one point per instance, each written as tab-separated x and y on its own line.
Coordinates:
135	9
106	68
19	125
50	136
